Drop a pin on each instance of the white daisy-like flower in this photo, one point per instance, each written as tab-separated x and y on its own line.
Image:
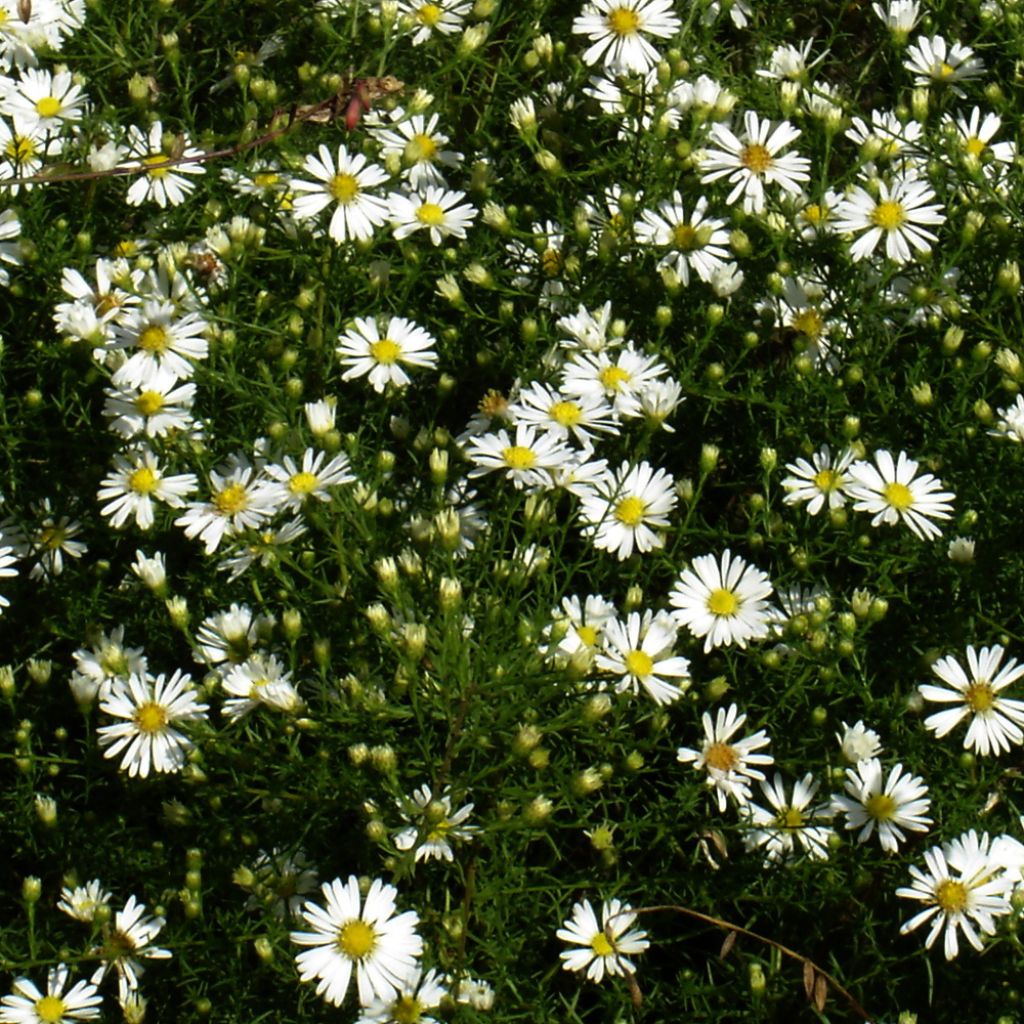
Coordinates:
974	135
934	62
858	743
105	662
436	210
640	651
576	630
430	18
239	500
790	823
420	146
417	995
695	241
963	888
44	101
381	356
722	600
629	510
83	901
346	183
294	487
259	680
730	764
1010	422
60	1005
229	636
544	407
263	547
892	492
603	948
158	338
899	16
136	481
149	710
162	182
820	481
620	376
157	407
896	214
364	936
528	459
432	825
888	804
754	159
995	721
617	30
126	942
23	148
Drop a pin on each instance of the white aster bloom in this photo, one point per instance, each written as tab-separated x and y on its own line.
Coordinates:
580	418
629	509
964	890
896	214
149	710
730	764
1010	424
529	459
789	823
617	31
60	1005
892	492
128	941
136	481
364	936
934	62
346	183
417	995
162	182
432	825
820	481
753	159
640	651
858	743
420	146
995	721
158	406
293	487
888	804
899	16
158	338
367	350
42	101
722	600
259	680
603	948
437	210
696	242
620	376
429	19
83	901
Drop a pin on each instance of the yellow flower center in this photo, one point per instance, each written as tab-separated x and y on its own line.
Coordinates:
639	663
149	402
552	262
980	696
52	537
113	661
231	499
721	757
587	635
518	457
343	187
566	414
266	179
385	351
50	1009
143	480
302	483
154	339
945	70
20	148
827	480
756	158
156	158
888	215
685	238
406	1010
151	717
623	22
419	149
48	106
601	945
791	818
722	602
974	146
630	511
898	496
814	213
356	939
880	806
951	896
613	377
430	214
429	14
809	322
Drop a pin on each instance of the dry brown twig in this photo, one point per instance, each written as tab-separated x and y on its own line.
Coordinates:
352	101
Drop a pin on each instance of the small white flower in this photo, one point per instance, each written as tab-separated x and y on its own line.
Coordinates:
888	804
60	1005
640	651
435	210
380	353
790	822
819	481
162	182
598	949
